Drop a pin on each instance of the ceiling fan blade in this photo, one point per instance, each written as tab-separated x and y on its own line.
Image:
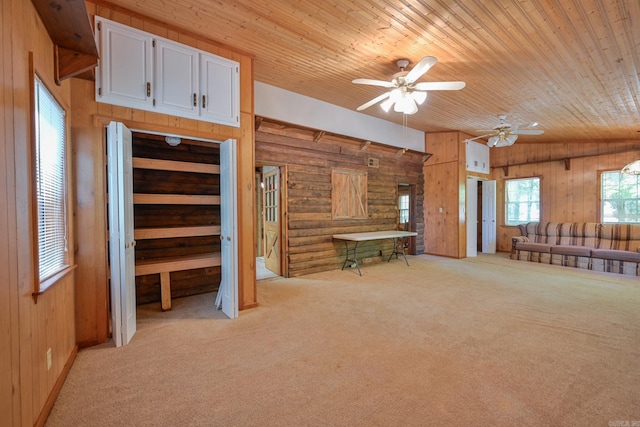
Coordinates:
440	85
478	137
527	132
372	82
527	125
373	101
421	67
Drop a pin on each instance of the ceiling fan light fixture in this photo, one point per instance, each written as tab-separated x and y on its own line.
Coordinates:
386	105
632	168
419	97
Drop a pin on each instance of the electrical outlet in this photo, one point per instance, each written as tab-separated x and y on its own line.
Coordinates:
48	359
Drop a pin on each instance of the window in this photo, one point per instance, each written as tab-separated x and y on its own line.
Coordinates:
50	185
349	194
522	200
620	197
403	208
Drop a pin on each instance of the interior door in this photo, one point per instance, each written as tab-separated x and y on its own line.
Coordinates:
489	217
472	217
272	220
228	293
121	241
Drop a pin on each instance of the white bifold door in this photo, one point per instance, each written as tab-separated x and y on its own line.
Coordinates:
227	297
121	239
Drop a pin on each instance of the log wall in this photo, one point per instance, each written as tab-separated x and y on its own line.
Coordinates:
310	156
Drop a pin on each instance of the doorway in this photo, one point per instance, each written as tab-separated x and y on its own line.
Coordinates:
406	205
271	217
481	216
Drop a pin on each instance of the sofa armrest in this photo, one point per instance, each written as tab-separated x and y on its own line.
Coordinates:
516	239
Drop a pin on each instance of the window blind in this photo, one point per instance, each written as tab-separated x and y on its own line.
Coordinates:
50	153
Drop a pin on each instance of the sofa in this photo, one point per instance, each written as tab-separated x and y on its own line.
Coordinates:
612	248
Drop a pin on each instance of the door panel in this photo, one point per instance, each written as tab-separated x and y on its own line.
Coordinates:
228	292
489	217
121	237
272	220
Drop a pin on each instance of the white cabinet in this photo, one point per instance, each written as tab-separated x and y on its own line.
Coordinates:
176	79
220	91
477	157
143	71
125	73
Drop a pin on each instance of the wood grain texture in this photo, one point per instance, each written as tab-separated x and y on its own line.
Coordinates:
309	226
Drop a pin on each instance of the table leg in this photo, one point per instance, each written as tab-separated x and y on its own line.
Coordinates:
354	259
396	251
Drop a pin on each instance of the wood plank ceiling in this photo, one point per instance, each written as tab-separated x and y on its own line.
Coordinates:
572	65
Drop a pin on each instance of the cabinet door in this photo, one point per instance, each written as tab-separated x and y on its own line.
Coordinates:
125	69
177	79
220	90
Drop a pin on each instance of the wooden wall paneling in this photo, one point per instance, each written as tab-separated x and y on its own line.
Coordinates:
10	385
567	195
92	292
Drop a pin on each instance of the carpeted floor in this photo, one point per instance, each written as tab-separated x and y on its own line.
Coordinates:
482	341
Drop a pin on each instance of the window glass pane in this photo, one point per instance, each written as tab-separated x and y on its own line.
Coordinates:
50	182
522	200
620	197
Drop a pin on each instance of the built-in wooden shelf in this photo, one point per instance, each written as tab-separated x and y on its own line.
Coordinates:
68	25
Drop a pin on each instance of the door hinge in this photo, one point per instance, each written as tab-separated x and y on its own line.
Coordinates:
154	102
99	91
99	25
153	43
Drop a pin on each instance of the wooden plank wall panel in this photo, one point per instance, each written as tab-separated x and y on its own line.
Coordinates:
566	195
443	176
10	386
27	387
311	247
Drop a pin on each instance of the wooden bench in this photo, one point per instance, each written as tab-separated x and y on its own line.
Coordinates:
165	266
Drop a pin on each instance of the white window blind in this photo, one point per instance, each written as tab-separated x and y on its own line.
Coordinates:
50	171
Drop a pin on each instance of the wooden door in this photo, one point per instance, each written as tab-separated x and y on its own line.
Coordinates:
121	237
272	241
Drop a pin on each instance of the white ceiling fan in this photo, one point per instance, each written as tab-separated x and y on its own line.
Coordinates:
405	94
505	135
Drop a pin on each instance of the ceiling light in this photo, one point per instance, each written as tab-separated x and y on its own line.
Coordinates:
632	168
419	96
502	140
173	140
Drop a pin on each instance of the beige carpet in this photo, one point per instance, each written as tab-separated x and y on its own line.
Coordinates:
484	341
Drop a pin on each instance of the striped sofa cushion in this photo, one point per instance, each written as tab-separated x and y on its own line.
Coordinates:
542	232
624	237
580	234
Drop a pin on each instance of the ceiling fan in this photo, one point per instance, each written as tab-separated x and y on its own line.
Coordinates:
405	94
504	135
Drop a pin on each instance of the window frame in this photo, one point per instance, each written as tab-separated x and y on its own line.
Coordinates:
506	200
43	284
600	216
